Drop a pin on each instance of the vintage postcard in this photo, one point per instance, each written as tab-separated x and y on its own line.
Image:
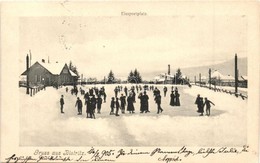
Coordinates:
126	81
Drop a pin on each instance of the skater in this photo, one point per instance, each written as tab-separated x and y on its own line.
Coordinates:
99	103
133	95
156	92
88	105
158	102
93	103
165	91
61	104
116	91
145	102
112	105
207	103
172	102
177	98
125	89
79	105
199	103
117	107
105	96
67	89
130	103
92	106
141	102
123	102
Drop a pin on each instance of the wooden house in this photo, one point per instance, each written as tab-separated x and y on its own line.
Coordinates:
50	74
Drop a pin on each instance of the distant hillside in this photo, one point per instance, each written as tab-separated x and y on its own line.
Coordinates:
226	68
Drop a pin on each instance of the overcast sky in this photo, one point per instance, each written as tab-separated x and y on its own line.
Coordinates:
99	44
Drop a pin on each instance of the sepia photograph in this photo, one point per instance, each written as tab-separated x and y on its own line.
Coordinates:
97	81
102	81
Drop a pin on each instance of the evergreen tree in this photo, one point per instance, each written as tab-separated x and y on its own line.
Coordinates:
111	77
134	77
130	78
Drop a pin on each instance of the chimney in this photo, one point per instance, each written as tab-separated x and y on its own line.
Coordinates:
43	60
169	69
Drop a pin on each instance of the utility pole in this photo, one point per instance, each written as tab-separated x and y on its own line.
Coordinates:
27	76
195	79
209	78
236	74
200	79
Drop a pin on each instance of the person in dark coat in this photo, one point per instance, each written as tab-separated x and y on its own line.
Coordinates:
93	103
61	104
93	106
117	106
177	98
79	106
99	103
88	105
158	102
116	91
123	102
172	102
112	105
165	91
91	92
199	103
141	102
125	89
130	103
133	95
67	89
207	103
145	102
105	96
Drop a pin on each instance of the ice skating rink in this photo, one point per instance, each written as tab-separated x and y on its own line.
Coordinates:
42	124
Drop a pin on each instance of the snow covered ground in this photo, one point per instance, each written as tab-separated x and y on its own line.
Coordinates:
41	123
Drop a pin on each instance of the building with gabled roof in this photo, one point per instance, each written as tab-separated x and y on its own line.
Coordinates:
50	74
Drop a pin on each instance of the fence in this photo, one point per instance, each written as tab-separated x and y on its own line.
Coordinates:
243	96
33	89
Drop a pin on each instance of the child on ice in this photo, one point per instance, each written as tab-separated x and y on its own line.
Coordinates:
207	103
112	106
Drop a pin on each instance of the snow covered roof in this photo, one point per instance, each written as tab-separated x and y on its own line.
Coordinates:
72	73
203	77
216	74
54	68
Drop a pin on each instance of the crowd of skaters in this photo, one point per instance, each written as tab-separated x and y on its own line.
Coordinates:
94	97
